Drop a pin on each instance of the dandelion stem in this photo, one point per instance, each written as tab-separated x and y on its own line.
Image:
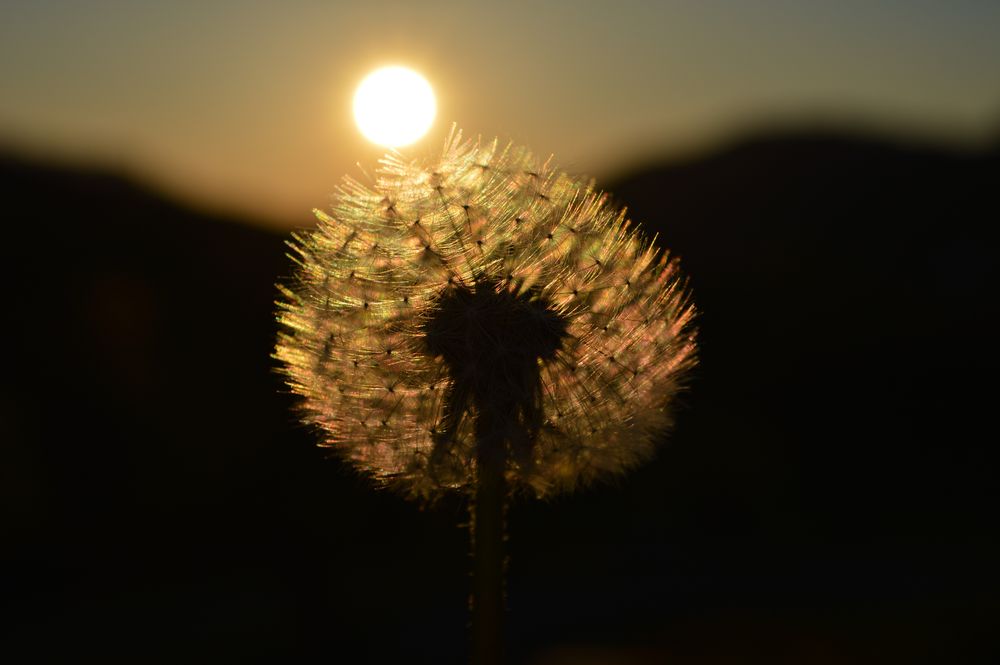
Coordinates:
487	545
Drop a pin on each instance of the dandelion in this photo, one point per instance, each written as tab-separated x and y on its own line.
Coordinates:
483	321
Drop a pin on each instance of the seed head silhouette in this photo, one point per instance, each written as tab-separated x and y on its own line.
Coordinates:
483	306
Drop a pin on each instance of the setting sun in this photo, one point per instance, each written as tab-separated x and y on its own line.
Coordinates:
394	106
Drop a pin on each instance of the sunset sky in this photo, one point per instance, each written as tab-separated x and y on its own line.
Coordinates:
246	106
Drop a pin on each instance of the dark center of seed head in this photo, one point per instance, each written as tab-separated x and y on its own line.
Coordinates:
491	341
489	335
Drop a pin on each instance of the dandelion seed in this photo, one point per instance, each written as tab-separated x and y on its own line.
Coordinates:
490	291
483	322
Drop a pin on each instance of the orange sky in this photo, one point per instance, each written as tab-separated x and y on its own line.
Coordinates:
246	105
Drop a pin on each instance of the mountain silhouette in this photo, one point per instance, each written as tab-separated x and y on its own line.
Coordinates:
826	497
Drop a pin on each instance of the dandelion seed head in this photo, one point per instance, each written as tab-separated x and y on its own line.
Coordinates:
484	285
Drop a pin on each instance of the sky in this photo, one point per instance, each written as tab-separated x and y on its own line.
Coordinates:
246	106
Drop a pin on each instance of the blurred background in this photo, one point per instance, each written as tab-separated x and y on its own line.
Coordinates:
827	172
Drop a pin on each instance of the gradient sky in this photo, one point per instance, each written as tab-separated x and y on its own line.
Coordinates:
247	105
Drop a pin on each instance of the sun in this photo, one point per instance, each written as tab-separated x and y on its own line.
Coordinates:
394	106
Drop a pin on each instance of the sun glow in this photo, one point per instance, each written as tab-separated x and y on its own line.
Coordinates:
394	106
